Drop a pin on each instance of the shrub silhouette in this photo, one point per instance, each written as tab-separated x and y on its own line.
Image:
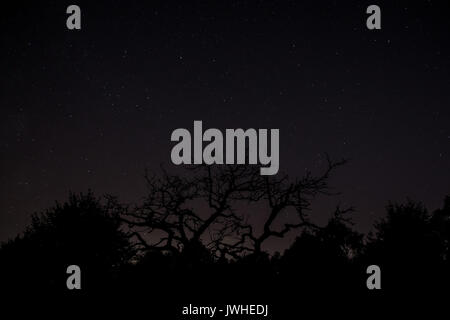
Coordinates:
82	231
324	258
409	245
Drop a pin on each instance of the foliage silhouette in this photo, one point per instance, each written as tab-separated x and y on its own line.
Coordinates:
82	231
411	247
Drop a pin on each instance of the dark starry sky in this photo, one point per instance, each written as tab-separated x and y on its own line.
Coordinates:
94	108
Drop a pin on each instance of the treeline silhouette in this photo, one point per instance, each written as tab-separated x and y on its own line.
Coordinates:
202	235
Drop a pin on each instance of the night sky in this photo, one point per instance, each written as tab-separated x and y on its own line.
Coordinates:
94	108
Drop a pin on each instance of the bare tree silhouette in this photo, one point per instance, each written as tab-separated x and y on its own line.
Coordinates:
202	209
